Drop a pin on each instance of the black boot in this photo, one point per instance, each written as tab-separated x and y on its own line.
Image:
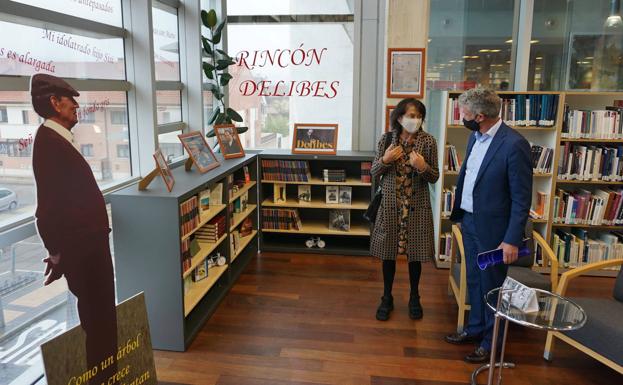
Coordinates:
415	307
385	308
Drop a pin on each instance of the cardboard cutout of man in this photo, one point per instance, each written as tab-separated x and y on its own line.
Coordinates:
72	220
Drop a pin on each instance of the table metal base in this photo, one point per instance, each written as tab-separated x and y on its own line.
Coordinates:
475	373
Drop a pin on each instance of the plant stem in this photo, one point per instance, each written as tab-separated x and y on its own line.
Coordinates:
216	77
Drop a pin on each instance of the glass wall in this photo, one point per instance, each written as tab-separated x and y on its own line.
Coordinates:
577	45
291	72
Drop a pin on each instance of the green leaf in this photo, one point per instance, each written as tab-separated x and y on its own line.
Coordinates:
210	133
219	29
216	38
242	130
221	119
225	78
208	18
222	64
206	45
212	88
224	54
213	116
234	115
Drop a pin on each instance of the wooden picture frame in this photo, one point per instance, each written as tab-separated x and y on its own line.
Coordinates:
405	72
323	143
199	151
230	148
164	170
388	114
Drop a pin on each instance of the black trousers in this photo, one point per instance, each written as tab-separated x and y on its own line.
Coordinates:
89	272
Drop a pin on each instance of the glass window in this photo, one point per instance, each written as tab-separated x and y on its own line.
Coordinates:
26	50
169	106
289	73
4	116
171	146
86	150
102	11
291	7
166	42
123	151
577	45
25	117
118	117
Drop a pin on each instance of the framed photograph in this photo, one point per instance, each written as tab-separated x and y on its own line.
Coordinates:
279	193
314	139
333	193
199	151
388	113
304	193
229	141
165	171
339	220
346	194
405	75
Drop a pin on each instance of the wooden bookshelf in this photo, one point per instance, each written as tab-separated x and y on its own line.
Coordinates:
241	191
604	227
244	242
205	249
446	172
586	140
518	128
319	182
314	216
542	175
199	289
207	217
239	217
561	270
317	203
595	182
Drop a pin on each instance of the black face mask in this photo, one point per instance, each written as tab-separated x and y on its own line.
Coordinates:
472	125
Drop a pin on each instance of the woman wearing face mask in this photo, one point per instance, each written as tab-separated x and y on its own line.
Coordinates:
404	223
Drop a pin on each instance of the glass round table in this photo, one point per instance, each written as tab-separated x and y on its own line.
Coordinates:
555	313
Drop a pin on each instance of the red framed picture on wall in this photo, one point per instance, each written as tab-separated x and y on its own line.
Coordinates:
388	114
405	72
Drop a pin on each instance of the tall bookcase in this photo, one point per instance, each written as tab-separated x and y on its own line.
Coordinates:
314	215
148	248
546	136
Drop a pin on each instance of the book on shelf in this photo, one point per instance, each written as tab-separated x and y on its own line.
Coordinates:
232	187
590	163
333	175
286	170
237	206
453	162
447	202
216	194
279	193
189	215
542	159
244	201
246	228
201	271
304	193
577	248
247	175
540	205
339	220
332	194
583	207
445	246
188	282
593	124
281	219
346	195
366	176
204	202
235	240
212	231
517	110
186	256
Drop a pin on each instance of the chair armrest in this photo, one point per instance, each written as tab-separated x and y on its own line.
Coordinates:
458	238
548	256
571	274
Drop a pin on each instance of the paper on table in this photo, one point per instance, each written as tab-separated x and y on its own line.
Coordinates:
521	296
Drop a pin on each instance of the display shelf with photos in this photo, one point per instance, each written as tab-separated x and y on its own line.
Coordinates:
584	161
174	266
308	196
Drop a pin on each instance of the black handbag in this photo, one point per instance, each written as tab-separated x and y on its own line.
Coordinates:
373	207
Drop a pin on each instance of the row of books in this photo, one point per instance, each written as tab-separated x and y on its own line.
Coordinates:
244	230
517	110
447	200
366	176
239	205
542	158
579	162
453	162
186	256
334	194
281	219
575	248
540	206
602	207
286	170
593	124
189	215
212	231
445	246
338	175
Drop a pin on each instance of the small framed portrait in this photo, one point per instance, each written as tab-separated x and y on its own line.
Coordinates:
229	141
314	139
405	75
388	114
165	171
199	151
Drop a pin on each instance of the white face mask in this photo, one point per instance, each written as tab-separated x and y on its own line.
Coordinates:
411	124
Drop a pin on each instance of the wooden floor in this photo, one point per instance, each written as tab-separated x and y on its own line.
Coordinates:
309	319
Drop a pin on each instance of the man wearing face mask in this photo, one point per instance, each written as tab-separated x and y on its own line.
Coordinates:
492	203
405	163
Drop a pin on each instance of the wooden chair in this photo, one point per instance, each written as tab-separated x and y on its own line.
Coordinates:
521	270
602	336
